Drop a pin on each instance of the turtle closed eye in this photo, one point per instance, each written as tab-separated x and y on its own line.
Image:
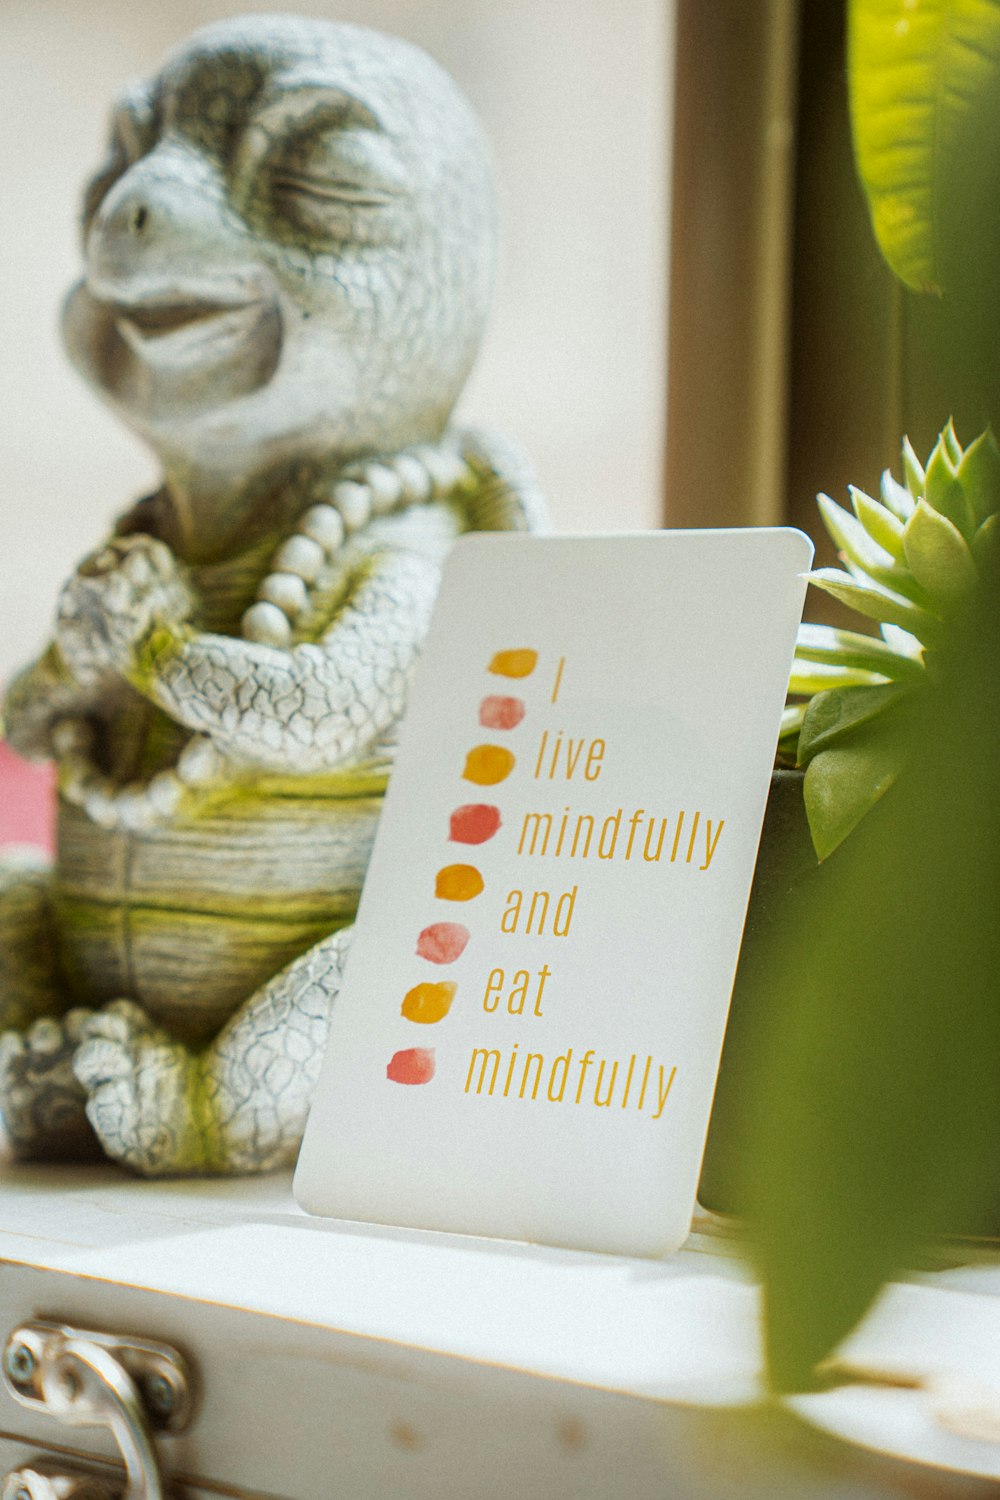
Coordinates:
337	184
331	190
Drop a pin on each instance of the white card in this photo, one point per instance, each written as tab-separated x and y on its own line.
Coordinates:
528	1035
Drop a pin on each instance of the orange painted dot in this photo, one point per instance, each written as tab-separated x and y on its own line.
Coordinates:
427	1003
514	663
458	883
488	764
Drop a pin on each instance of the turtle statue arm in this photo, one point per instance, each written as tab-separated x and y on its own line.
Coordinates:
38	698
57	687
302	709
318	703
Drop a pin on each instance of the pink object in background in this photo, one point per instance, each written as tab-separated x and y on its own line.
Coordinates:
27	801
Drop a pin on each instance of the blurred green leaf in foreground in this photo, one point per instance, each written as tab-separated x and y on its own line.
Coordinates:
924	91
877	1110
924	76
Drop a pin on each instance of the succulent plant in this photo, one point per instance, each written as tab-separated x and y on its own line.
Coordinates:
912	559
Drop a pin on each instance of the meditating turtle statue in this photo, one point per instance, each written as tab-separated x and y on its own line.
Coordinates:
288	258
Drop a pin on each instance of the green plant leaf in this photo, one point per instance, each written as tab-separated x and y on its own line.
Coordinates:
844	783
979	476
791	718
880	522
791	722
831	715
877	603
917	73
859	549
986	542
897	498
898	582
944	492
913	471
953	447
902	642
827	643
807	678
939	557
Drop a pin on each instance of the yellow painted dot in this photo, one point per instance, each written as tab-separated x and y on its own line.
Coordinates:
458	883
488	764
514	663
427	1003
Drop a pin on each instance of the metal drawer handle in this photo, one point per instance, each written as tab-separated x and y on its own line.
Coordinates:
43	1480
87	1379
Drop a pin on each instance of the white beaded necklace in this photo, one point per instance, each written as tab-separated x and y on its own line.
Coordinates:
374	488
368	489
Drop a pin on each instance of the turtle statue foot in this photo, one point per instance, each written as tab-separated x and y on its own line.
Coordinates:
43	1102
237	1106
141	1091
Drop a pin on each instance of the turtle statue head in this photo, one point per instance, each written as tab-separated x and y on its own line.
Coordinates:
289	250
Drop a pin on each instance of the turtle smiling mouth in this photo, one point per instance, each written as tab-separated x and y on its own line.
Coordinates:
153	320
162	350
176	333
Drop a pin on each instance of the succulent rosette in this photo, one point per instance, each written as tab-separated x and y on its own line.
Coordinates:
912	560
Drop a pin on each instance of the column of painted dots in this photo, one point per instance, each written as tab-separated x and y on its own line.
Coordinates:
473	823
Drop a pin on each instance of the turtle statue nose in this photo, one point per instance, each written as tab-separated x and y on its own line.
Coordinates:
164	215
126	217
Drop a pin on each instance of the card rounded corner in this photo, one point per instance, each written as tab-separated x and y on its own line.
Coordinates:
302	1190
802	541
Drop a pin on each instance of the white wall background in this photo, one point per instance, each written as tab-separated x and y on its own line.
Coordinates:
574	94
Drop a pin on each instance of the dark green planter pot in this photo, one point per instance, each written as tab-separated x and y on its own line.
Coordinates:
785	861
